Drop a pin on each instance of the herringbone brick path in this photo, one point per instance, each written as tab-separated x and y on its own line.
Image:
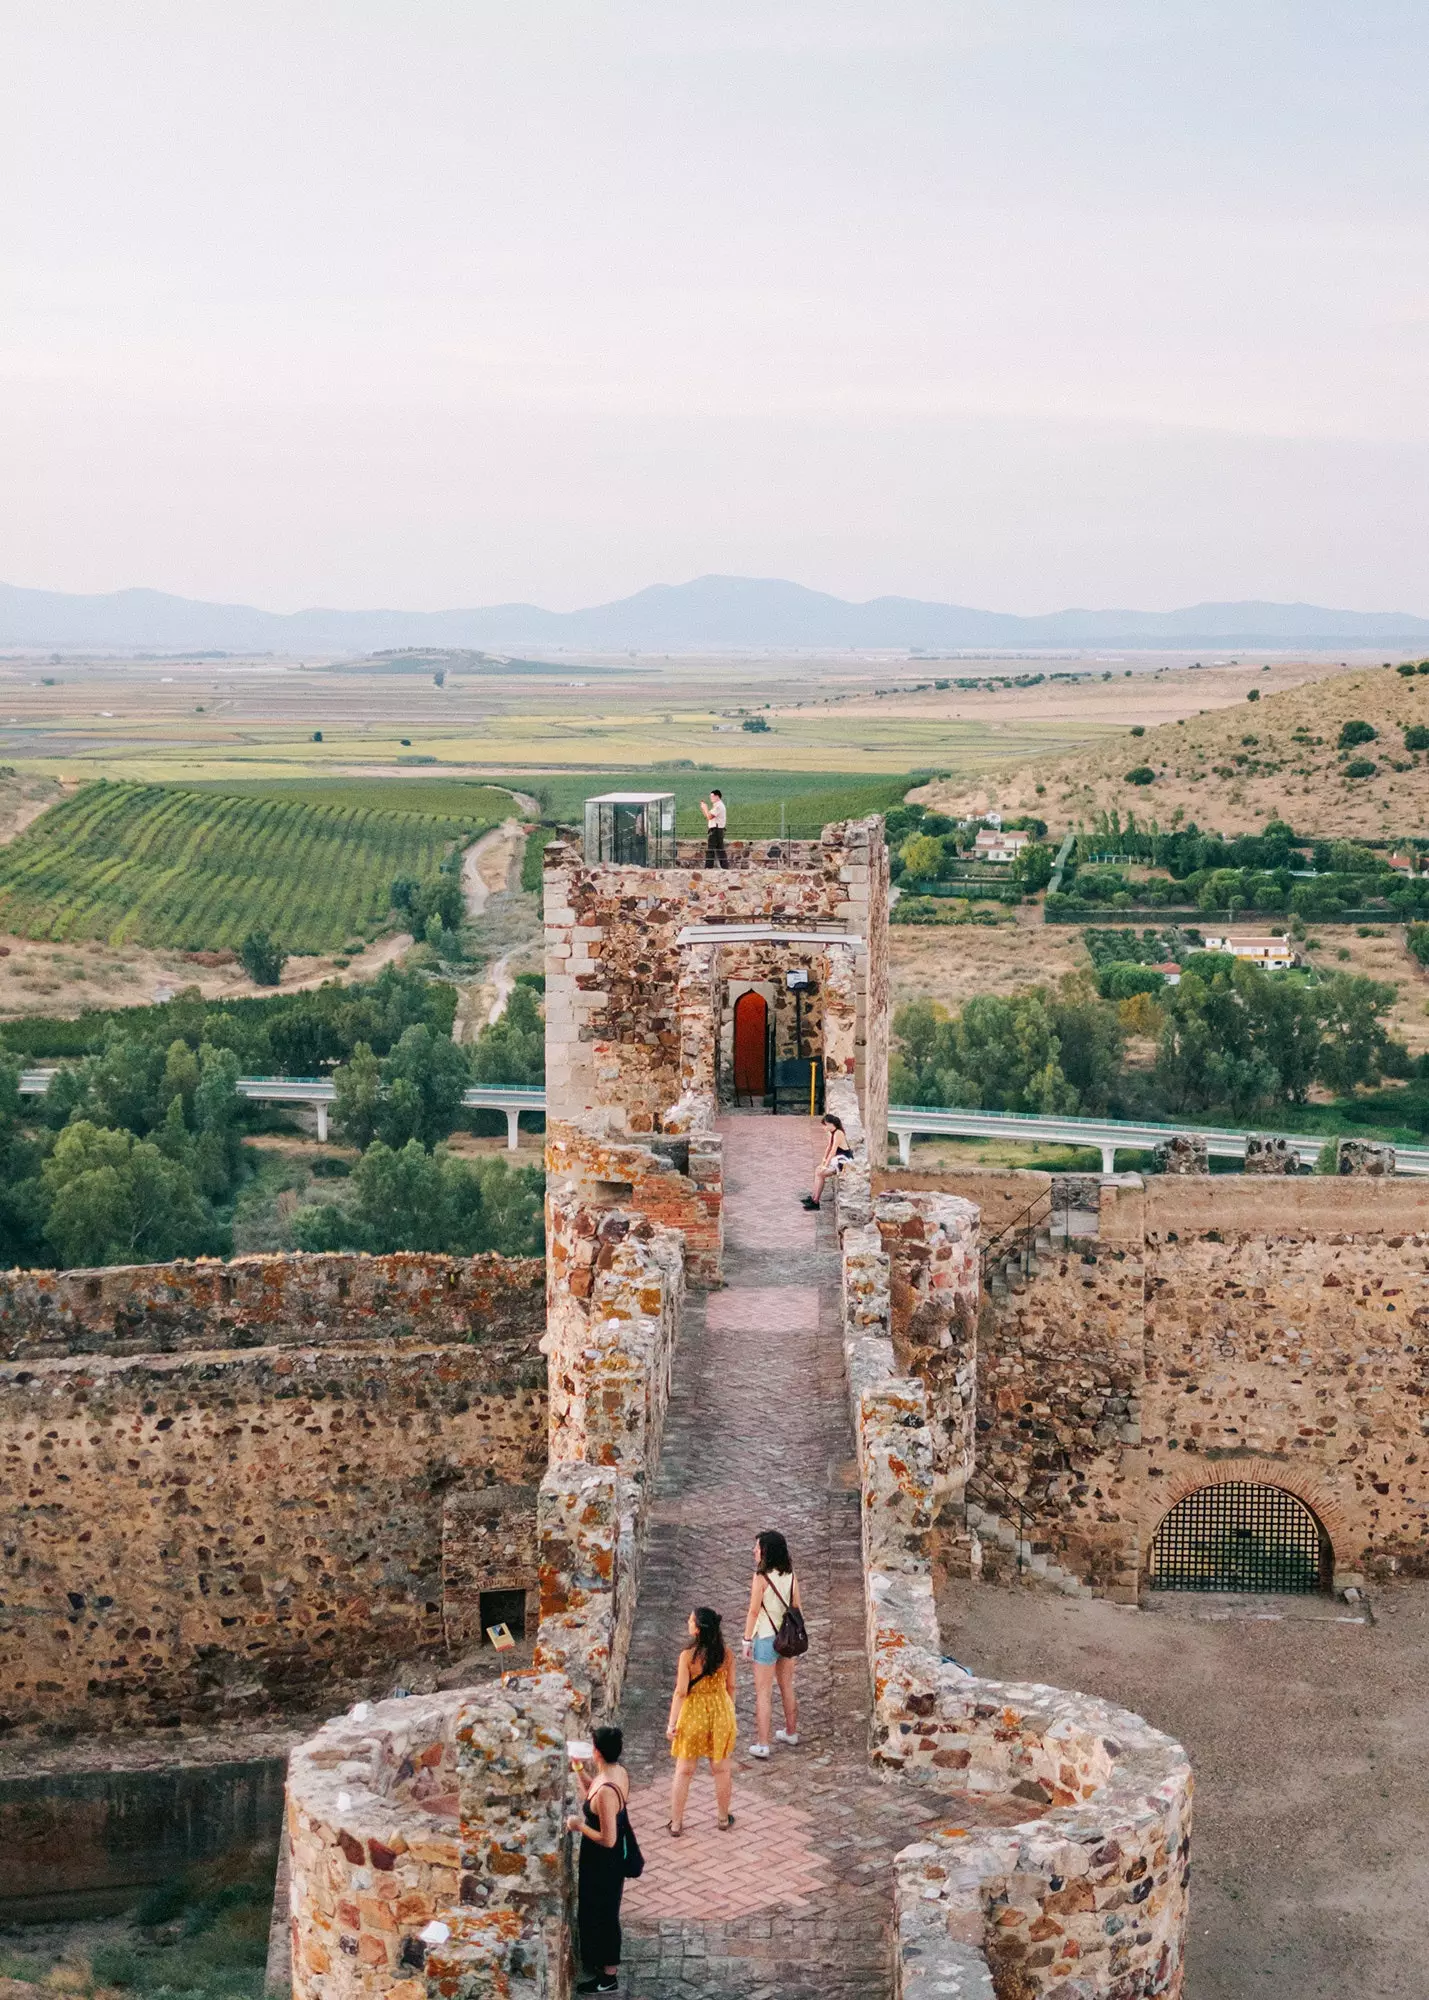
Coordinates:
795	1899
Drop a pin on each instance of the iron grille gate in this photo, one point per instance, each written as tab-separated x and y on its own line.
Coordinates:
1240	1537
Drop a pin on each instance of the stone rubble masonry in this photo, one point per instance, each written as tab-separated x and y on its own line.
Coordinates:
1271	1329
199	1535
426	1846
270	1301
1365	1157
931	1242
633	1018
615	1291
488	1543
675	1181
1089	1896
480	1851
1001	1199
1183	1153
1269	1155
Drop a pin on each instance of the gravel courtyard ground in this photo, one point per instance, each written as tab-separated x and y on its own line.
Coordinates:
1308	1741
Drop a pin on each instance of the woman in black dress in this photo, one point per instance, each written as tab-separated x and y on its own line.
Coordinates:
602	1862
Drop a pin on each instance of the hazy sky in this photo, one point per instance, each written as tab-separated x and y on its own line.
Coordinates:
1020	304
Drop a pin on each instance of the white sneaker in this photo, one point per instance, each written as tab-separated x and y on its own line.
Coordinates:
760	1750
789	1736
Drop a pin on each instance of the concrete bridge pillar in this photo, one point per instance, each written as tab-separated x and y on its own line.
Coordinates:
905	1148
322	1123
1108	1159
513	1130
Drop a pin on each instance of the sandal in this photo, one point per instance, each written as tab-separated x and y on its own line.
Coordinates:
673	1830
725	1824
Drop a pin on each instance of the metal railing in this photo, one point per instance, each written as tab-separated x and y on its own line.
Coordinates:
1006	1504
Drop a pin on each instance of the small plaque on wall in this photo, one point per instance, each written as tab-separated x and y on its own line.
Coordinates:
500	1637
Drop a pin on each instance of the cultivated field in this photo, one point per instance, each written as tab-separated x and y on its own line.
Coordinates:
168	866
186	720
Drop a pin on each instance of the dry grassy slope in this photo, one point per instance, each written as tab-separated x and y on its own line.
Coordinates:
1278	777
23	798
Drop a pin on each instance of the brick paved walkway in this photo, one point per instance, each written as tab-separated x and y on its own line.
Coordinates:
795	1899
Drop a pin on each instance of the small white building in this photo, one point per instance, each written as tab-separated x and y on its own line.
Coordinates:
992	844
1272	954
1170	971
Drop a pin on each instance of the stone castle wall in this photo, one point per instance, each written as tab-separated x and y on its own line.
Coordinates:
425	1838
1264	1329
1088	1896
677	1182
191	1533
269	1301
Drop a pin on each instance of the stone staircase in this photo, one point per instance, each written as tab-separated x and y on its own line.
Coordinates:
1000	1542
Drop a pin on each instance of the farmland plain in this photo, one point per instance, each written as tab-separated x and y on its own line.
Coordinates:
163	865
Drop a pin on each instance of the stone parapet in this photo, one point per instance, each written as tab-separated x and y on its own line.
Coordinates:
676	1181
931	1240
288	1300
421	1826
1089	1897
584	1584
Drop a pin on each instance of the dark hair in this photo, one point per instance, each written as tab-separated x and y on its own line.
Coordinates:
715	792
773	1552
709	1639
609	1742
837	1123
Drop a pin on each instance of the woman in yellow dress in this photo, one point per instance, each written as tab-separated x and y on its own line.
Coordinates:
702	1720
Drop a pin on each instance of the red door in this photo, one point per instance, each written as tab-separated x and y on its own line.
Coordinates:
751	1037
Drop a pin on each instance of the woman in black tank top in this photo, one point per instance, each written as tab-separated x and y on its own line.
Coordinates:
602	1826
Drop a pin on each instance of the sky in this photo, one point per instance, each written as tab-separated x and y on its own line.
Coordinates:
1011	303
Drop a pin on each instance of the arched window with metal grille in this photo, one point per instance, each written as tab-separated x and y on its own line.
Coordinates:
1239	1536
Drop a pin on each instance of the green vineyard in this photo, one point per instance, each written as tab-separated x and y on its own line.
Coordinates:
161	865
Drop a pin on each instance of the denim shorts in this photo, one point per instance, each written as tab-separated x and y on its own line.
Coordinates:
764	1652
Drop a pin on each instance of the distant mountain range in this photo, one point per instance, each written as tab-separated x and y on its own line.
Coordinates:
712	611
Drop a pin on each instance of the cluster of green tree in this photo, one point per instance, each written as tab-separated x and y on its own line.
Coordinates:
944	910
291	1034
134	1153
1151	947
415	1091
130	1157
1322	898
1186	851
407	1198
434	911
930	847
1230	1040
262	959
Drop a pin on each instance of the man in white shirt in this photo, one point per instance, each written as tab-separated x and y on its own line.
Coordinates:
714	812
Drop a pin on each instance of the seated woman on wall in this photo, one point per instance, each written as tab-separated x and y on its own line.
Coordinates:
837	1154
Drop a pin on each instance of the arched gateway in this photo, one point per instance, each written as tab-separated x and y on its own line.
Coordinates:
1239	1536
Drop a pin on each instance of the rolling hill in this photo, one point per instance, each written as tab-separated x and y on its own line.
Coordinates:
1234	768
709	612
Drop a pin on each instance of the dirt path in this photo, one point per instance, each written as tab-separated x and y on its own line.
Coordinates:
491	867
365	965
